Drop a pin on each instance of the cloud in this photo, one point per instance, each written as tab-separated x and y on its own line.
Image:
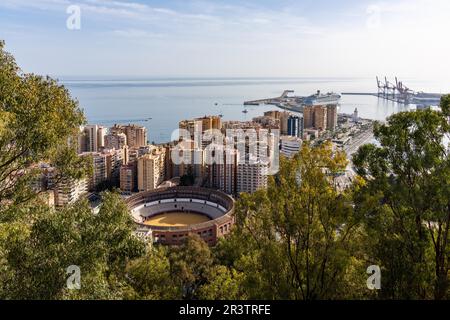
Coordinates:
193	19
250	38
37	4
129	5
136	33
141	11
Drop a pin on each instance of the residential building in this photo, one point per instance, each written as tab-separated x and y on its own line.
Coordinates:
98	174
211	122
189	161
279	115
320	117
136	136
222	172
308	116
115	158
196	129
284	116
255	154
295	126
310	134
150	169
69	191
252	175
128	178
290	145
315	117
115	140
332	117
268	122
91	138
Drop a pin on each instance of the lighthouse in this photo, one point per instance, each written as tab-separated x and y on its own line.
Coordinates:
355	115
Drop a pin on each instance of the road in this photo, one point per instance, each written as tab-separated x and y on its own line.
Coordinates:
357	141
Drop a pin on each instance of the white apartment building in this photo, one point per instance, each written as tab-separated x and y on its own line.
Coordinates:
252	175
99	168
115	158
69	191
91	138
290	145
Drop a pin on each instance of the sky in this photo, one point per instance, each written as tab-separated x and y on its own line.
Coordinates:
234	38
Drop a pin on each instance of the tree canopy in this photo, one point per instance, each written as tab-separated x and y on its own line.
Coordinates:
38	119
406	202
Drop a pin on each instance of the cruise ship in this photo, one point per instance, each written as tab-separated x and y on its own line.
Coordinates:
321	99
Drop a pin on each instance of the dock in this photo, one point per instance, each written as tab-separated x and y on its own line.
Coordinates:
273	101
359	94
399	93
297	108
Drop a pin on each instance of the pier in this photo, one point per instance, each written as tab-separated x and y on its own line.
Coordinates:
390	98
398	92
359	94
274	101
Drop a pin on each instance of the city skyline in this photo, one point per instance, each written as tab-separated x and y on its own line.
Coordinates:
229	38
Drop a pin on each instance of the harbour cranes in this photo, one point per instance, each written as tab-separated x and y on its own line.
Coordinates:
400	93
386	89
391	89
404	91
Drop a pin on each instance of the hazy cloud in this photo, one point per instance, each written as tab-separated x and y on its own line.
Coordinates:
362	38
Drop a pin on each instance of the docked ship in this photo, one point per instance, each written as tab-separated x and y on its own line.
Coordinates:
296	103
321	99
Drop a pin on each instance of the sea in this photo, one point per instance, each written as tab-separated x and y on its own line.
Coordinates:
160	103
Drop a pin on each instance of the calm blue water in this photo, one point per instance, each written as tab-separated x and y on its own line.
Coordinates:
167	101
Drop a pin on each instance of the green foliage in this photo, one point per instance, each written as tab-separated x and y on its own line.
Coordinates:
36	256
405	199
187	179
191	265
295	240
188	271
37	120
150	276
224	284
445	105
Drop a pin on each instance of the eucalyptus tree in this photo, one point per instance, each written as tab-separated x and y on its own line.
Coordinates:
406	202
38	123
296	240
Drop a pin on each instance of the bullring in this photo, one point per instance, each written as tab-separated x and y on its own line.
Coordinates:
173	213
